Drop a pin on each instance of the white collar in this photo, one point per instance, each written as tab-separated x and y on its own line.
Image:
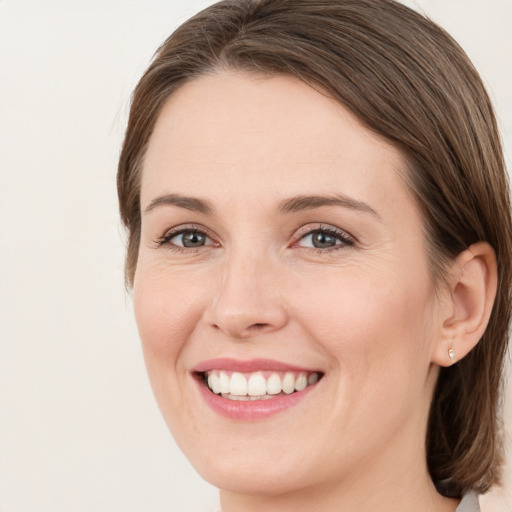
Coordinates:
469	503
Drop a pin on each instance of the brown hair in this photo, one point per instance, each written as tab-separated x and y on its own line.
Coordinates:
406	79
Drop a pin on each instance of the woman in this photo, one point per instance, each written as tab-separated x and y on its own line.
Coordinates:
319	250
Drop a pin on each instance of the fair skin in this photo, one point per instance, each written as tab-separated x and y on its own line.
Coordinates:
339	288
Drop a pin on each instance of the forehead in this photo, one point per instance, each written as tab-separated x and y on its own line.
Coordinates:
264	135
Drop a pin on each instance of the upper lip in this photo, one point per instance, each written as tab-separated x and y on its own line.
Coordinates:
248	366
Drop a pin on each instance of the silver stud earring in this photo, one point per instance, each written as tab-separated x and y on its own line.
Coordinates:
451	354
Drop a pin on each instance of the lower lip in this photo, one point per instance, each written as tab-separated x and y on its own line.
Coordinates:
251	409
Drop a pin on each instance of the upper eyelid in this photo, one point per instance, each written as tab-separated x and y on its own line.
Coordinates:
199	228
312	228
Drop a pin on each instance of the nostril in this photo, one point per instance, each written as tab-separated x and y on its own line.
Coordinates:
258	327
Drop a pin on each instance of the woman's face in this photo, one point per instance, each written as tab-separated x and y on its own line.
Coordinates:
281	249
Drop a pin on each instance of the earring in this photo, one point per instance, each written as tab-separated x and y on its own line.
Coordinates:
451	354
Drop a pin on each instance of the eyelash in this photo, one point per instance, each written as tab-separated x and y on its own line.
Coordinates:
340	235
167	237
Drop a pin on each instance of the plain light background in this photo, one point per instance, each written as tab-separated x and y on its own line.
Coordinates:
79	429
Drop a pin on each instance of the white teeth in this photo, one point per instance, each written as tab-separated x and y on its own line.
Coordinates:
237	386
224	382
274	384
301	382
213	382
289	383
238	398
257	385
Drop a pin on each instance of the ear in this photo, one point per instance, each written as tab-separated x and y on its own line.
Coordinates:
472	290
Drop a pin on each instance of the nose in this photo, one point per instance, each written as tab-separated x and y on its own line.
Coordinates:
249	300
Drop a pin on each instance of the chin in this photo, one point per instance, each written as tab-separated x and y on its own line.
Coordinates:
246	478
235	466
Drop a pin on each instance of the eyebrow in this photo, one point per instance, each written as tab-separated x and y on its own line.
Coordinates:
301	203
188	203
291	205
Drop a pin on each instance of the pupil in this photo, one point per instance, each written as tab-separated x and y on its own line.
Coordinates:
193	239
323	240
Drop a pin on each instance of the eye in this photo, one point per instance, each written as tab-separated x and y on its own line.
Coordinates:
185	238
325	238
190	239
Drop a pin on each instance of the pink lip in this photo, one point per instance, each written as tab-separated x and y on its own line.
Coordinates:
250	409
253	365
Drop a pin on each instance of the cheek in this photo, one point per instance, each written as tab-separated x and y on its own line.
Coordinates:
372	326
377	335
167	307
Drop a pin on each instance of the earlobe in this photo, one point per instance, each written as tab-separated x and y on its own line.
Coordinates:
473	283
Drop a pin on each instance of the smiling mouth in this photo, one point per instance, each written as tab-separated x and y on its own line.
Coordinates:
260	385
